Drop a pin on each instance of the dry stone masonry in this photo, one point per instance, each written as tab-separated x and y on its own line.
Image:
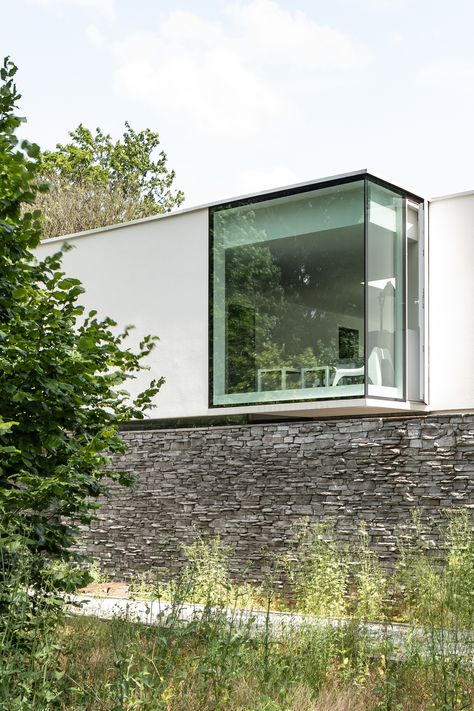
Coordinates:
252	483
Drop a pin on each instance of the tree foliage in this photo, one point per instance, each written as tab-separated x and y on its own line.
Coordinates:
61	370
95	181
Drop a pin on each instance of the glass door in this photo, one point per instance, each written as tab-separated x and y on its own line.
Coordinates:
385	293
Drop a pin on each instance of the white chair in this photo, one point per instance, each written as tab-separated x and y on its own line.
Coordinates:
379	367
346	373
374	366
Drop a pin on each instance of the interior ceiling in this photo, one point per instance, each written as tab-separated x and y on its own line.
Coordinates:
323	269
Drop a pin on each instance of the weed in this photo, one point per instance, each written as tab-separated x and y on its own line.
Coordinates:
370	584
319	571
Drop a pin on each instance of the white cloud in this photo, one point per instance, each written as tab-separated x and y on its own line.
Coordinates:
192	72
252	181
382	5
184	26
448	73
95	36
106	8
217	76
273	32
398	39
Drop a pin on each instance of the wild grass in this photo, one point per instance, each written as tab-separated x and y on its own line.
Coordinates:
214	661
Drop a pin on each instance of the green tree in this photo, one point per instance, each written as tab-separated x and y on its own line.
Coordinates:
61	371
95	181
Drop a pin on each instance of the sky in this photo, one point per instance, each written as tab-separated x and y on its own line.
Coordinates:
249	95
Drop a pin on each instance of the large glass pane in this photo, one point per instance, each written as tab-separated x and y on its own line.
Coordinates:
288	298
385	292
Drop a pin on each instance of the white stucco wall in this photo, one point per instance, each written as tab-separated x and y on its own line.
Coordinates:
154	275
451	303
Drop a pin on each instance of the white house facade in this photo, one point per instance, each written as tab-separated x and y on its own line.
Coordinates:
346	296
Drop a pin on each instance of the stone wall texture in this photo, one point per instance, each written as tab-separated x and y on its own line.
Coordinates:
253	483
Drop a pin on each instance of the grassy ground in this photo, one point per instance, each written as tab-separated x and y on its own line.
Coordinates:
211	663
116	665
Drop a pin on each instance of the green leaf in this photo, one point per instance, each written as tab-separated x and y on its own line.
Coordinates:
68	283
19	292
58	372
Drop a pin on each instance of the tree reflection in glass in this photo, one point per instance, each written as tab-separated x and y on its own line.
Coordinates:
288	289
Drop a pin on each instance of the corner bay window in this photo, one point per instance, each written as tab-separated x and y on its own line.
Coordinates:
308	295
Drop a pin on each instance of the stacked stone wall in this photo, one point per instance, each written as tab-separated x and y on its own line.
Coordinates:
252	483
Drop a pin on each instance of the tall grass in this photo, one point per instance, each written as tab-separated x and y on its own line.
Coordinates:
30	674
318	572
205	579
219	660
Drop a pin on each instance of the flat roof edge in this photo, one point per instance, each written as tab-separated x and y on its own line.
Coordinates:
438	198
119	225
292	186
240	198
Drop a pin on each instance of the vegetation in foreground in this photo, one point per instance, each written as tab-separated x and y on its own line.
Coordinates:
62	372
215	661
